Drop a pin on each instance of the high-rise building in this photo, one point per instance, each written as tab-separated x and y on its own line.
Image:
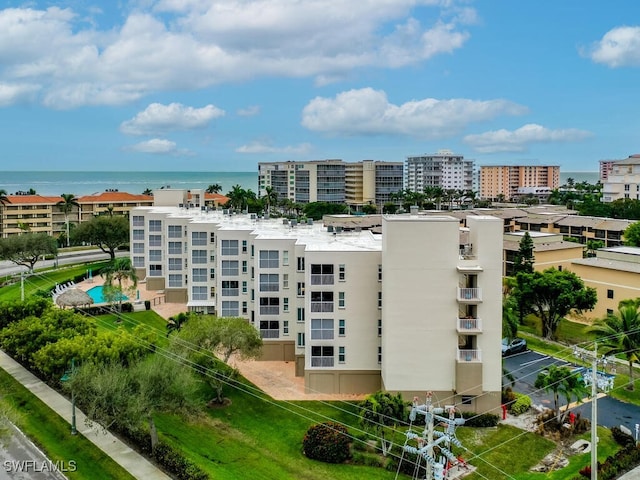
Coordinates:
443	169
407	309
623	180
506	180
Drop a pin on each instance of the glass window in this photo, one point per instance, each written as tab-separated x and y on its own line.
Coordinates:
155	270
269	282
155	255
300	289
379	299
155	240
341	301
174	231
138	221
244	266
379	327
300	314
138	234
198	238
175	264
199	274
341	272
212	273
300	262
269	259
198	256
285	304
285	257
285	280
321	356
138	248
244	287
175	281
300	341
244	308
269	329
285	328
199	293
138	262
379	273
229	247
269	305
244	246
379	354
341	354
341	327
322	329
229	268
230	308
230	288
155	225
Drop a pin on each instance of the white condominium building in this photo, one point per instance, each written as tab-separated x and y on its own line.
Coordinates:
443	169
406	310
623	180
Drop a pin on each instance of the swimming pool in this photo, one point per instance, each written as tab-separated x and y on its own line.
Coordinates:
97	294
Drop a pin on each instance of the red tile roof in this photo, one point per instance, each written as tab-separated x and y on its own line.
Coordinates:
32	199
110	197
216	197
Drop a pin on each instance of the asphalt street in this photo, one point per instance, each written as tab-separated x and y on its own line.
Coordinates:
9	268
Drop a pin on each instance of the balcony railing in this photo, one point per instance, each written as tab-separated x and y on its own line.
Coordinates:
269	333
470	294
322	279
322	361
469	324
230	292
322	306
269	310
469	355
467	253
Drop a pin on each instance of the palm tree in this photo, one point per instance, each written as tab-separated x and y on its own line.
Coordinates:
118	270
3	197
270	198
66	205
147	191
382	409
438	195
237	197
214	188
621	333
560	381
174	324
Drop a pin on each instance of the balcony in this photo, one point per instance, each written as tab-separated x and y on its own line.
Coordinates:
269	333
322	307
322	361
469	325
269	310
230	292
469	355
322	279
469	295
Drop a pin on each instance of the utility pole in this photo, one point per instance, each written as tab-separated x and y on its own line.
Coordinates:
22	286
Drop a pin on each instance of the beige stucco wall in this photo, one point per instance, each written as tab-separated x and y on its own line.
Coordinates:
155	283
350	382
556	258
278	350
176	295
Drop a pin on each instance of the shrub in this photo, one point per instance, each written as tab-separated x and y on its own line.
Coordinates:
177	464
327	442
623	439
521	405
508	396
480	420
127	307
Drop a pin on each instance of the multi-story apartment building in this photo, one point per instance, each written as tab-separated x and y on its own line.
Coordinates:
623	180
605	168
110	202
335	181
443	169
505	180
354	310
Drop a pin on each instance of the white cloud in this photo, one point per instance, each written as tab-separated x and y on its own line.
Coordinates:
250	111
369	112
157	146
619	47
259	147
16	93
186	45
518	140
158	118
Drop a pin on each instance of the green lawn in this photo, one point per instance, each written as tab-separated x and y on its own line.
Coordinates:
148	319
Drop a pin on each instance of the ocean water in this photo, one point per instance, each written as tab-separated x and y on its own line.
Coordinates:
86	183
590	177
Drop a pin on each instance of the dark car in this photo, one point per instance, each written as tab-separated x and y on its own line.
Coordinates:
516	345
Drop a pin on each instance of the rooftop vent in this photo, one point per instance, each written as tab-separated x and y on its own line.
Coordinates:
330	228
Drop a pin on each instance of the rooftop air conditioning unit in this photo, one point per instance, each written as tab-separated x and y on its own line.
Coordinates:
330	228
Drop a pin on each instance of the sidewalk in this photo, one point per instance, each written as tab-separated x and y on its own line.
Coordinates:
130	460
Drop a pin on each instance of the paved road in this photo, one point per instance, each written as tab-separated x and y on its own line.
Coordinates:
70	258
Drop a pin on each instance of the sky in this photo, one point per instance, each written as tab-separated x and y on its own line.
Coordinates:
220	85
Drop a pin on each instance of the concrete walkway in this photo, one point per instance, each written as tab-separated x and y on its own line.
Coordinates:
130	460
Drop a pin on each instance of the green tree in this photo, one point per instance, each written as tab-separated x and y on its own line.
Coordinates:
270	198
3	197
551	295
381	410
147	191
27	249
561	382
620	334
317	210
389	207
119	270
214	188
66	206
105	231
369	209
523	261
237	197
510	320
632	235
235	335
175	323
592	246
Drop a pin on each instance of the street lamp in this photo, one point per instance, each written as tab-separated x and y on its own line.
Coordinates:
66	377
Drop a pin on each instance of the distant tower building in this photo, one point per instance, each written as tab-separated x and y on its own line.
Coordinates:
506	180
605	169
443	169
623	180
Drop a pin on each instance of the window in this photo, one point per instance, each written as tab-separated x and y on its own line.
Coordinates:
199	293
322	274
244	266
138	262
609	311
212	273
285	328
300	314
341	272
285	280
252	251
138	221
253	294
322	328
244	287
252	273
212	256
212	237
138	234
300	264
175	231
321	356
322	301
341	327
139	248
379	273
300	341
285	304
300	289
341	301
269	328
379	299
269	282
199	274
244	308
198	238
198	256
175	281
175	264
467	399
244	246
609	293
155	255
285	257
269	306
230	288
230	308
175	248
379	327
155	225
229	268
155	240
379	354
229	247
341	354
269	259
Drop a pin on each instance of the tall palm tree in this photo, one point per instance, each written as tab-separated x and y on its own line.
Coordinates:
66	205
3	197
270	197
560	381
621	333
147	191
118	270
214	188
438	194
237	197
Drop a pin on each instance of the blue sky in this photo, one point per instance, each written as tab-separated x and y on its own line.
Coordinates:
210	85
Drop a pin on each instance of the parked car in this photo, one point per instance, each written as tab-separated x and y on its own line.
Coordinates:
516	345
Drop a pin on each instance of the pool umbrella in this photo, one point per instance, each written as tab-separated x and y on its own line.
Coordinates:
73	297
